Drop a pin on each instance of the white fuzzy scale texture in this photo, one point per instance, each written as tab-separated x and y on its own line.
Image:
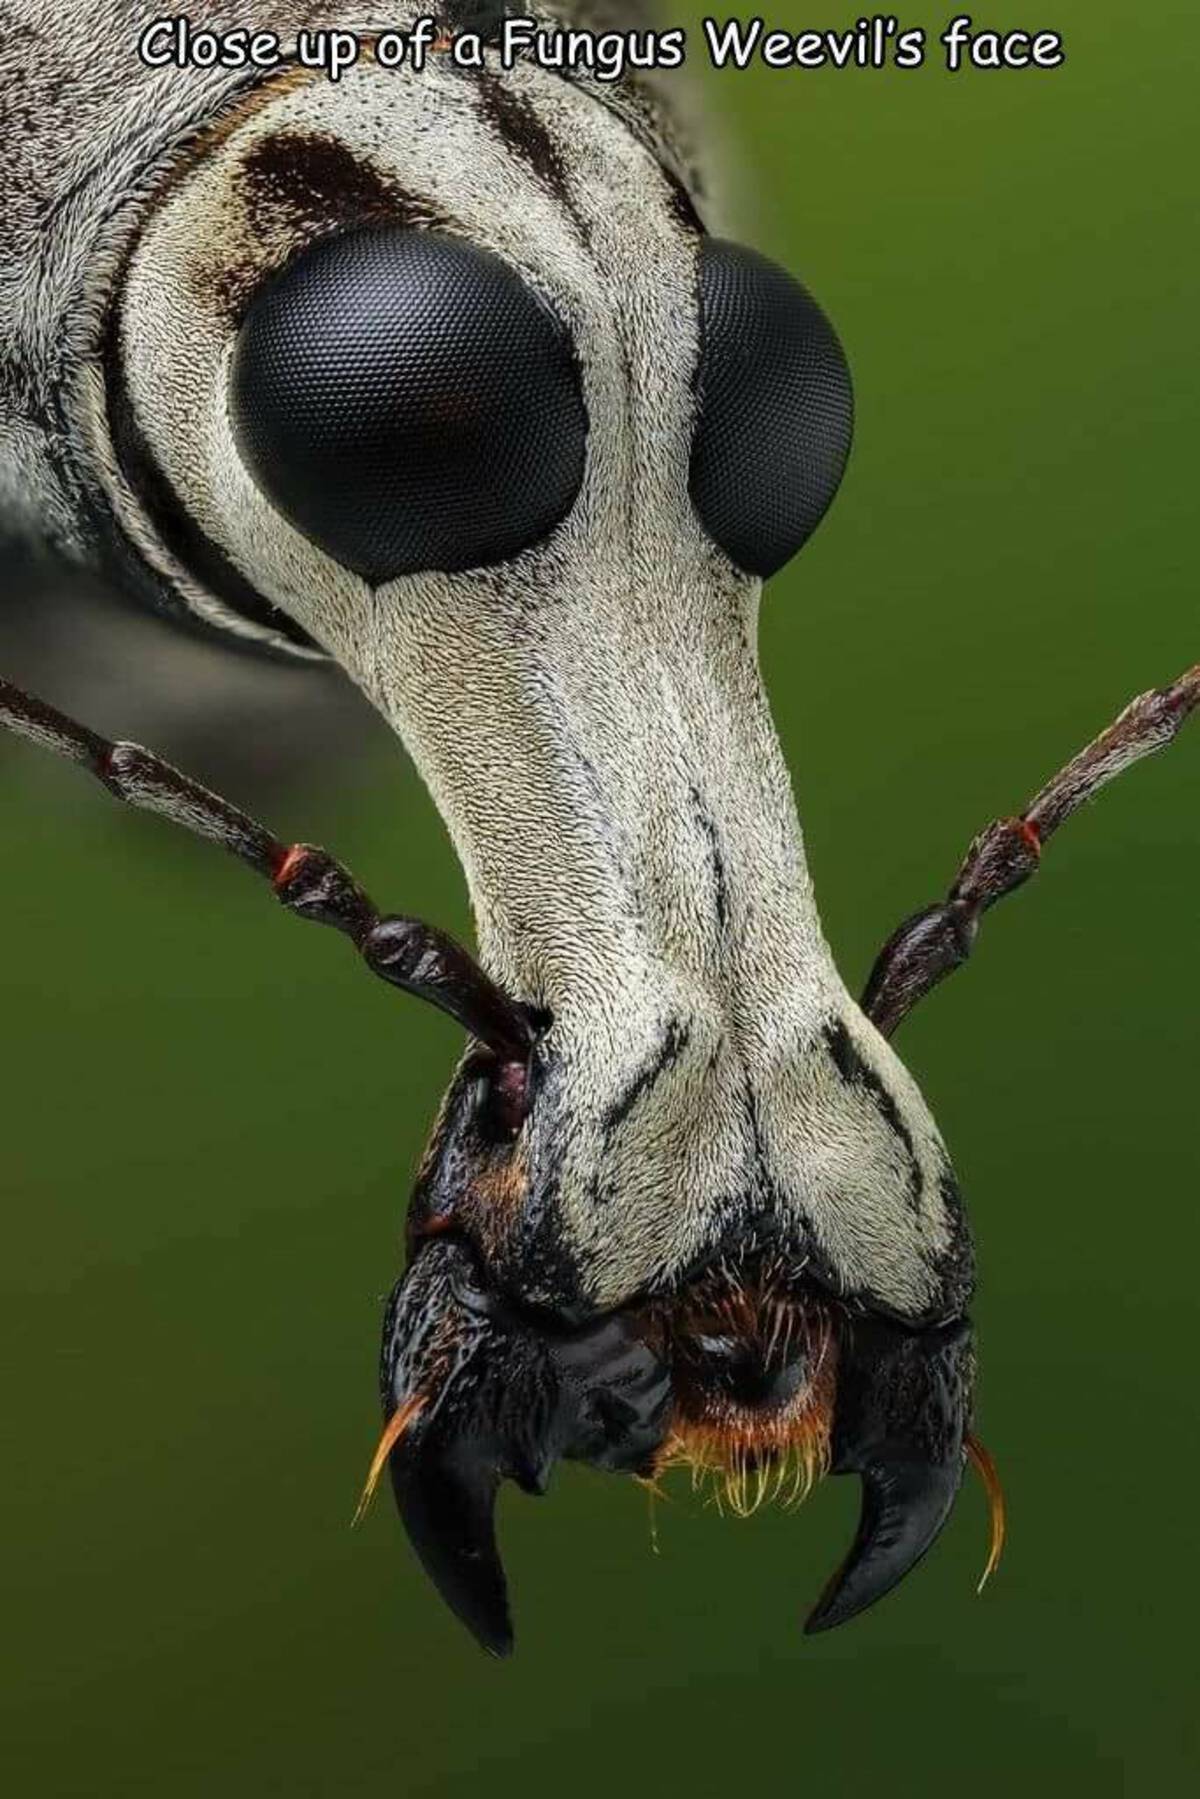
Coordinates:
589	717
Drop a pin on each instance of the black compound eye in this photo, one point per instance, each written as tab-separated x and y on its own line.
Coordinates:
408	403
776	410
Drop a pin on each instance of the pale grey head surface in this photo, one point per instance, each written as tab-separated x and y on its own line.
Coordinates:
589	715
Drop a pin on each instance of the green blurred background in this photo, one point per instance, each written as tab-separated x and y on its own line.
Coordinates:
210	1115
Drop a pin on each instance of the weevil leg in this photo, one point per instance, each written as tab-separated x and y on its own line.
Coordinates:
932	943
308	881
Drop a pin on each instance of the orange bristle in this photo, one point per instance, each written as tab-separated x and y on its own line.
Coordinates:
988	1473
753	1466
755	1456
401	1421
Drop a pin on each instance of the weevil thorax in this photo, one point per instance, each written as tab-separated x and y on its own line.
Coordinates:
588	713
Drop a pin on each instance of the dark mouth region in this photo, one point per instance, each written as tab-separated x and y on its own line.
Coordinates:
754	1373
753	1379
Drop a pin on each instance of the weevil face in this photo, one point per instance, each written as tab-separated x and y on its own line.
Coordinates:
444	377
585	707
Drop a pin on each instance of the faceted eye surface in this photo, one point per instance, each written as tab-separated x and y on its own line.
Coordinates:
775	410
409	403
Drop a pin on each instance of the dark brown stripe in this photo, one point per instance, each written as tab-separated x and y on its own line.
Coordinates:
684	206
518	126
204	560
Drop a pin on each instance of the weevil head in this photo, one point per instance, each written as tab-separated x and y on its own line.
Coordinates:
446	379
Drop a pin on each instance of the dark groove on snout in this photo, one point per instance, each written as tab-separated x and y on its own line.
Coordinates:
720	875
857	1072
672	1047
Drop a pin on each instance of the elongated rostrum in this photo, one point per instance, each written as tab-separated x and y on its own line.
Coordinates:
459	381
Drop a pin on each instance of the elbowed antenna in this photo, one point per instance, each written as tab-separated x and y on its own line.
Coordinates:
934	942
308	881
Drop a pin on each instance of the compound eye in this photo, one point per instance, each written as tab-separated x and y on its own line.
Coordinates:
408	403
775	410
